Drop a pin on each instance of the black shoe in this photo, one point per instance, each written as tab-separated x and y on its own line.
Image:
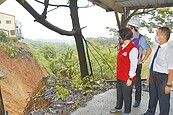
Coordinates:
136	104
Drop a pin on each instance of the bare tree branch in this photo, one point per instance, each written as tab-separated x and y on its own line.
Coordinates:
44	22
52	4
131	15
145	12
46	3
139	13
87	6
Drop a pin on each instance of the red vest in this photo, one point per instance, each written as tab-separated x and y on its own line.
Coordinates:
123	62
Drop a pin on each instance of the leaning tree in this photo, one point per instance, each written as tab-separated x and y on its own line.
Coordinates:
76	29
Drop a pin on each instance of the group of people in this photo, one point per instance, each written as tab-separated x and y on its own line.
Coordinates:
133	52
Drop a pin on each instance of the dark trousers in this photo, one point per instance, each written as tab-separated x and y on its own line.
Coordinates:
137	83
124	93
157	93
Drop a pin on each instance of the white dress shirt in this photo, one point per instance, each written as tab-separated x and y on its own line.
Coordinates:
164	59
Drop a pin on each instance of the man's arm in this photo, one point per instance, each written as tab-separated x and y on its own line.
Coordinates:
147	54
133	65
169	82
144	44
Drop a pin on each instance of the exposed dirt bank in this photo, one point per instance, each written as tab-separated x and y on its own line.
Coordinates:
22	75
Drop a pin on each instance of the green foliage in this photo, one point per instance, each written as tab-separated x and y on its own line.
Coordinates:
13	39
157	18
34	44
86	82
113	31
48	52
38	95
54	66
85	85
11	49
40	59
107	42
75	104
76	84
63	59
9	44
148	40
151	19
55	57
61	91
66	64
3	36
103	59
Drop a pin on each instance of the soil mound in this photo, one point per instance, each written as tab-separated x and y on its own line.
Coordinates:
19	77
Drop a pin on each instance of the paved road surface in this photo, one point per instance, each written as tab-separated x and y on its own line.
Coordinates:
102	104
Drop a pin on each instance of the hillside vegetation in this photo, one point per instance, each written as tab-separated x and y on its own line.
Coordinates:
23	69
45	77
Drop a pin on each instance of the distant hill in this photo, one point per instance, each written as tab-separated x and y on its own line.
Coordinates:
65	40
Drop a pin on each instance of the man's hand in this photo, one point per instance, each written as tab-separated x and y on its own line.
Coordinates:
167	90
140	62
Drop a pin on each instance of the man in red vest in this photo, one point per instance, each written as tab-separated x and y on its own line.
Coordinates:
125	71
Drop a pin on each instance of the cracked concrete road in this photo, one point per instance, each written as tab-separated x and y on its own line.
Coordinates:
101	104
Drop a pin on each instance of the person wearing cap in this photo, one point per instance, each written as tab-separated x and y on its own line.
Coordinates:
125	71
142	46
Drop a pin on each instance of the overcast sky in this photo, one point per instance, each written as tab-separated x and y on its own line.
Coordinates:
95	18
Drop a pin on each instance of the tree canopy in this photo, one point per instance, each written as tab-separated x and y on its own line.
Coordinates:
157	18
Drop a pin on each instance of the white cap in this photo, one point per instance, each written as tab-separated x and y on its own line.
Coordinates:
134	22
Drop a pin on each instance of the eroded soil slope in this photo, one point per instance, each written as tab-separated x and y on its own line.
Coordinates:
22	76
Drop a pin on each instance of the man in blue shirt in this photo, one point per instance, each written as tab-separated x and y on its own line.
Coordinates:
142	45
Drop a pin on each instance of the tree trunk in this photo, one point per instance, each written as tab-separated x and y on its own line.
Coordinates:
123	20
78	38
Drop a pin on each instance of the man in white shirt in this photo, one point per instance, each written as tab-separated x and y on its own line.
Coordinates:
161	74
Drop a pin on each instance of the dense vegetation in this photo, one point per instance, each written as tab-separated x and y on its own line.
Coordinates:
63	58
61	61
